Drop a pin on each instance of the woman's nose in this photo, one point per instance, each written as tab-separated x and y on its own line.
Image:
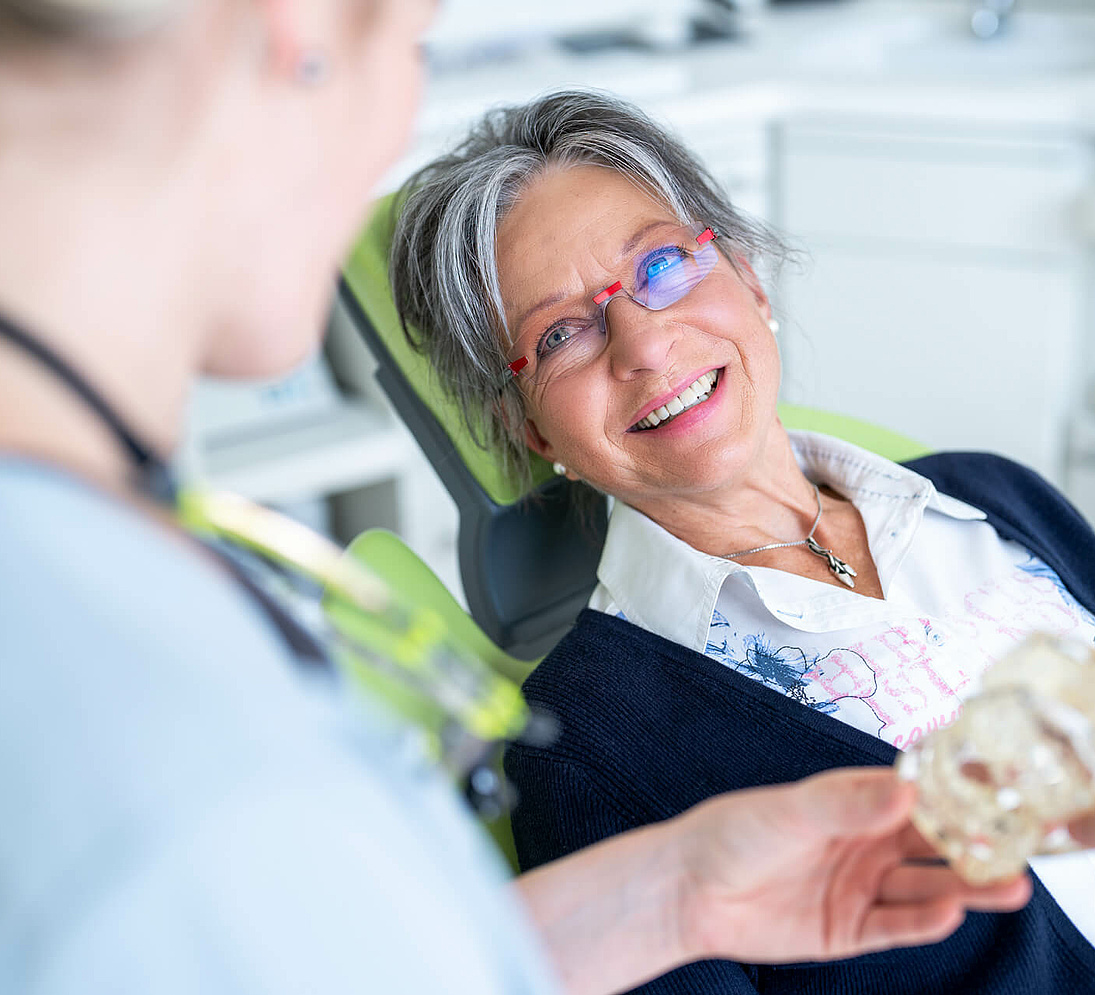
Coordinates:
638	339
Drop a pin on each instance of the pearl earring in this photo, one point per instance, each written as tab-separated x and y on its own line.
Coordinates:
773	325
559	469
313	67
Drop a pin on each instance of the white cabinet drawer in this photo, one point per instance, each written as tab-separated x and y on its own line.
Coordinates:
994	194
731	140
958	354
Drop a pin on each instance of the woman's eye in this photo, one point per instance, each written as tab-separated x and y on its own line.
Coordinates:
557	337
657	264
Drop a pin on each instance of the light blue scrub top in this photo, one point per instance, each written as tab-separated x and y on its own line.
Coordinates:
182	809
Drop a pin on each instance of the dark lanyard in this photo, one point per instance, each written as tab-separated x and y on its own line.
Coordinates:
153	477
478	707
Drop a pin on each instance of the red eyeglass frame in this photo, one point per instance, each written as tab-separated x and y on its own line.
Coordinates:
602	298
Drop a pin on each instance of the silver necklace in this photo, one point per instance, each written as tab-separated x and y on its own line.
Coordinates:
841	570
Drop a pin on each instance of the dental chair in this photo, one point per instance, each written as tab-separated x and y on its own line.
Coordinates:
528	560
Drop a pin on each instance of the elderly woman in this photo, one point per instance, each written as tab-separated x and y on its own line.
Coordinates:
771	603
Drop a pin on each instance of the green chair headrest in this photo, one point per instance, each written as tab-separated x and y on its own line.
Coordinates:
366	273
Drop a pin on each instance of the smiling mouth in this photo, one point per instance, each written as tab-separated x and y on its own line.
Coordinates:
695	393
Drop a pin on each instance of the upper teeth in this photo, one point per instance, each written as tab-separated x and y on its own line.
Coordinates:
687	398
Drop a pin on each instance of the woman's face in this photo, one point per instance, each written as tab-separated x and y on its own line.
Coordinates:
565	240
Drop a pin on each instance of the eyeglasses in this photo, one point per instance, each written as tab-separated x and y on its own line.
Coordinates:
669	265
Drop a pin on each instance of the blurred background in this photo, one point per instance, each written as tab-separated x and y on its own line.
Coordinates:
934	161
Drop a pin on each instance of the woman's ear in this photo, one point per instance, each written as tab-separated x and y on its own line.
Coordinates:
536	442
283	32
752	281
295	31
539	445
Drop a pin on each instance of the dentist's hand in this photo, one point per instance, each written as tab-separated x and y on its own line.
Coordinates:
829	867
824	868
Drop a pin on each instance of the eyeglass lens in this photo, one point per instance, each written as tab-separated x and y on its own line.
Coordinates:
668	266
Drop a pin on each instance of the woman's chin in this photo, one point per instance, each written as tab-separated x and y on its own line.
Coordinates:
706	447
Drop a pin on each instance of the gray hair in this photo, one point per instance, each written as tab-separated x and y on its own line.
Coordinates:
443	259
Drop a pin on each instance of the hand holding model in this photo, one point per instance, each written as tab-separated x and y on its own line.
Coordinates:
826	868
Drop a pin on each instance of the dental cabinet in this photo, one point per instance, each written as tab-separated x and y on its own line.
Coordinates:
942	194
946	285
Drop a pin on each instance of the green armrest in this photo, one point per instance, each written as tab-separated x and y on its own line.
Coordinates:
386	555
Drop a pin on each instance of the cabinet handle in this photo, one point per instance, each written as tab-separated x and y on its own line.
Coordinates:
1085	216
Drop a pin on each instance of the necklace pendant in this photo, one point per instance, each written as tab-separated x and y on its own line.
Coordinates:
841	570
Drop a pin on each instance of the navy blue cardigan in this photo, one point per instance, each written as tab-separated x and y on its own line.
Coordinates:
650	728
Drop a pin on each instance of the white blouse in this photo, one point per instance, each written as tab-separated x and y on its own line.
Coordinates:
957	597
